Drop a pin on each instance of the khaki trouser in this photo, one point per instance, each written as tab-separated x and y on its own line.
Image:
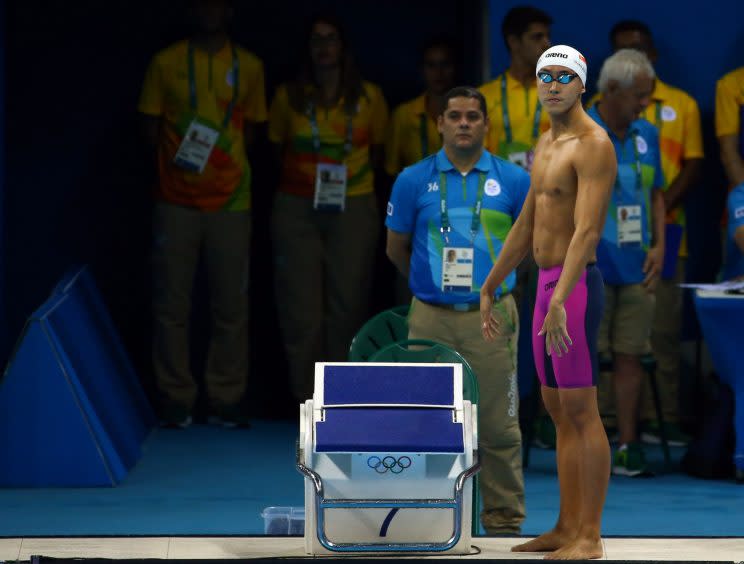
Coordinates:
323	265
494	363
625	329
181	237
665	342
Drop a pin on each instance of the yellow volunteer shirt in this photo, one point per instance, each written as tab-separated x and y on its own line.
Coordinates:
520	108
677	117
729	103
412	135
292	129
225	182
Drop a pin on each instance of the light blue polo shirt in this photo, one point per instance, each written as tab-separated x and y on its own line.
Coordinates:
624	265
415	208
734	257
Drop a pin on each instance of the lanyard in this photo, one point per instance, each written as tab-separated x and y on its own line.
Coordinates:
505	114
192	83
638	175
446	227
424	132
316	131
657	116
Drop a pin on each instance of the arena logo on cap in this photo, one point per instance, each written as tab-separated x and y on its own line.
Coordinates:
561	55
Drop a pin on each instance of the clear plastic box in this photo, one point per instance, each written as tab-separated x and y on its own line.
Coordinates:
284	520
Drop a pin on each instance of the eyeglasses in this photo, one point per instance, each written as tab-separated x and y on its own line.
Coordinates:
563	78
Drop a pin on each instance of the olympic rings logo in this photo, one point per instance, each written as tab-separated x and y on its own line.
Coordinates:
394	465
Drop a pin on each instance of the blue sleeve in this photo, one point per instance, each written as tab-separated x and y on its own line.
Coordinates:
522	187
735	207
401	209
658	171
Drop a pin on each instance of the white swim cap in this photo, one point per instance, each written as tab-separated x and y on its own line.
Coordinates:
564	56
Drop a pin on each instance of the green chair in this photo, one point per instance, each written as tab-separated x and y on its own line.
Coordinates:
421	350
383	329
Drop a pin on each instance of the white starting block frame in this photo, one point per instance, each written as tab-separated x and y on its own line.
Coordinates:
388	449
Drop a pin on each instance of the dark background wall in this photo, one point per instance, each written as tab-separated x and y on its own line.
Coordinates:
77	184
77	180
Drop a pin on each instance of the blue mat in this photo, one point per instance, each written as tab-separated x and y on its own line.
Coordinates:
214	481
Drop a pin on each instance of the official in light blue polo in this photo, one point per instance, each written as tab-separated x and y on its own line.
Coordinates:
447	220
639	173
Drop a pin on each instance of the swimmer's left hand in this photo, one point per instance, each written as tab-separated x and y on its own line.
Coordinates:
653	266
554	329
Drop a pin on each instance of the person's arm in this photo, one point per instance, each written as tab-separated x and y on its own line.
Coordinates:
596	168
687	177
654	263
398	250
739	238
516	246
733	164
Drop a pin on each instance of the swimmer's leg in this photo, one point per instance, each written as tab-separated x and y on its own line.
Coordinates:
592	451
569	480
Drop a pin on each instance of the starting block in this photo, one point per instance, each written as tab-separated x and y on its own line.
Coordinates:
387	450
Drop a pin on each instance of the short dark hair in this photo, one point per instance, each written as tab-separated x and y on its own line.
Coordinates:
631	25
519	18
445	42
465	92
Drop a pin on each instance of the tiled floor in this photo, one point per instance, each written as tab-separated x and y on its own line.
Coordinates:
724	549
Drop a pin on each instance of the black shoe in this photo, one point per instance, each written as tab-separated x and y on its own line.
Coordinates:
173	416
230	417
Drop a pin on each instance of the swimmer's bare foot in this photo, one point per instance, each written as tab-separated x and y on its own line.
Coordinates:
552	540
578	549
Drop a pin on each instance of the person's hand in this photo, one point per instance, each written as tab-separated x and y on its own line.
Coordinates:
554	329
490	326
653	266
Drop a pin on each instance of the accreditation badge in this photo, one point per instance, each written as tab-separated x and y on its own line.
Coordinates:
330	187
629	226
196	147
457	269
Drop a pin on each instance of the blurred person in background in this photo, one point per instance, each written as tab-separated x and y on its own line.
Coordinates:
200	103
677	119
412	134
328	127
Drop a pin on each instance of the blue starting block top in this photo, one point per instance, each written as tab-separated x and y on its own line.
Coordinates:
359	384
389	429
389	408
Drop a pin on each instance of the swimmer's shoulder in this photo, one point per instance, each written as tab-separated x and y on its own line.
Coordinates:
594	136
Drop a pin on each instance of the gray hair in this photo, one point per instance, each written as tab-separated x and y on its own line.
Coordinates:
623	67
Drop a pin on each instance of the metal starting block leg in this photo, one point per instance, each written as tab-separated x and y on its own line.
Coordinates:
395	437
321	504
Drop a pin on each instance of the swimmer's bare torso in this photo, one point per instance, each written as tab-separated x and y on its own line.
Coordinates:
555	184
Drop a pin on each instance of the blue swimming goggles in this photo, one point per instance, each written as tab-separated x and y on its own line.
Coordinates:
563	78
